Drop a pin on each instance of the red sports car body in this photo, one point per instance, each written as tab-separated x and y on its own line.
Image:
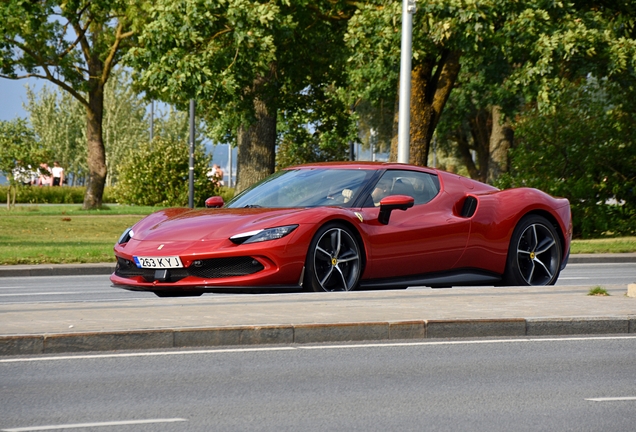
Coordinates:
342	226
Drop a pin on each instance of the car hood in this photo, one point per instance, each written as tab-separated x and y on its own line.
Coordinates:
211	224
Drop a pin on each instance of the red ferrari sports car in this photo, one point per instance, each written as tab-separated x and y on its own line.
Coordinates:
349	225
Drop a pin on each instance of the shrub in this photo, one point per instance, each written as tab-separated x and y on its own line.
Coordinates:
585	150
157	173
53	195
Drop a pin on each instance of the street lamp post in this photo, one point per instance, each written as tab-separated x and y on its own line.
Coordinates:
191	173
404	118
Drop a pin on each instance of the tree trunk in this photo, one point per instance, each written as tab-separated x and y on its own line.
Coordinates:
480	127
96	152
464	147
501	139
256	147
431	84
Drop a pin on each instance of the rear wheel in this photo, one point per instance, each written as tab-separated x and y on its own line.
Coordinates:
534	255
333	261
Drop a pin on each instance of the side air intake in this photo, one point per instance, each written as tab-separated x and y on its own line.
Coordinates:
469	207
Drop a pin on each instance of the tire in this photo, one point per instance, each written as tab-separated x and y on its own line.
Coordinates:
334	261
534	255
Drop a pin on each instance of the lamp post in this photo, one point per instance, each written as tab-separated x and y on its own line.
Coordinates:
152	120
404	117
191	173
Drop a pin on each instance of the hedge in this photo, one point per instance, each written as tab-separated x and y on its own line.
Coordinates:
52	195
70	195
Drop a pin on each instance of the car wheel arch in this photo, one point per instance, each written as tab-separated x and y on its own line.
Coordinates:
550	218
356	232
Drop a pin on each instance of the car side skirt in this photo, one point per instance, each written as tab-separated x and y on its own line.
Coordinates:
462	277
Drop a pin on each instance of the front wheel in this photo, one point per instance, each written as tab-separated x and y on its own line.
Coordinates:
333	261
534	255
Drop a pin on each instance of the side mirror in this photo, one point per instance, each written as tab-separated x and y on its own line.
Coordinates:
393	202
214	202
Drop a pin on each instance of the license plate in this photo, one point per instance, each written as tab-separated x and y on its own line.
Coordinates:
158	262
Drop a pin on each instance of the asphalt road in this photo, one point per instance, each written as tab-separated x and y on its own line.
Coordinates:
38	289
565	384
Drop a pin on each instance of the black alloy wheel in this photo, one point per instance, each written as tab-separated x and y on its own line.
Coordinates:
535	253
334	262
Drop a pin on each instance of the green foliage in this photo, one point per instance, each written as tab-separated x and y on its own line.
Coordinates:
19	154
157	174
226	55
226	193
584	150
59	123
17	143
317	128
53	195
75	44
598	291
38	39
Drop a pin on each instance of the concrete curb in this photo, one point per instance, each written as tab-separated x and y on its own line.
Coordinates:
602	258
310	333
57	270
108	268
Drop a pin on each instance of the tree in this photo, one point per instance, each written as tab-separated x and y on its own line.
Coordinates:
585	150
244	61
535	47
74	44
59	123
20	153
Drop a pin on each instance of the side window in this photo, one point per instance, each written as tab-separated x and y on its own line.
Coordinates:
423	187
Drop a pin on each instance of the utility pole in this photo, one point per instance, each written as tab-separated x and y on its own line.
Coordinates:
404	117
191	174
152	120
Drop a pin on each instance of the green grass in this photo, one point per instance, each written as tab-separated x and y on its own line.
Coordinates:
598	291
74	209
63	233
60	239
38	234
606	245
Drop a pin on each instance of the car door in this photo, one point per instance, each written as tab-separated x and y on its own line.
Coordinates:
429	237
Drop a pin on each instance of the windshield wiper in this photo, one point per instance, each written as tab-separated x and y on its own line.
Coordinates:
252	206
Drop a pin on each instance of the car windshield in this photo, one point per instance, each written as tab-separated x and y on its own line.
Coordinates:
304	188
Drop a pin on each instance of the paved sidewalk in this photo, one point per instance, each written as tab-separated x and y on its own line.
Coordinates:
220	320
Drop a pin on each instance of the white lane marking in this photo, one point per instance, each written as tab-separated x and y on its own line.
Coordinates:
611	399
89	425
572	278
53	293
307	347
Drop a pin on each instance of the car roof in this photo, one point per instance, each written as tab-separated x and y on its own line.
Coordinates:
363	165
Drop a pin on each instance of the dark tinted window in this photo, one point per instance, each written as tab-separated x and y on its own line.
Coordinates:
423	187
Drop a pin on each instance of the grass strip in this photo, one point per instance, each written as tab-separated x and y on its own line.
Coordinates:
606	245
61	239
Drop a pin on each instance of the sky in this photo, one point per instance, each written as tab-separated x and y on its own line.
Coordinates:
13	95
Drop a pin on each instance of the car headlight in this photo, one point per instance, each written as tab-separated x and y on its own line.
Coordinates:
126	236
262	235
